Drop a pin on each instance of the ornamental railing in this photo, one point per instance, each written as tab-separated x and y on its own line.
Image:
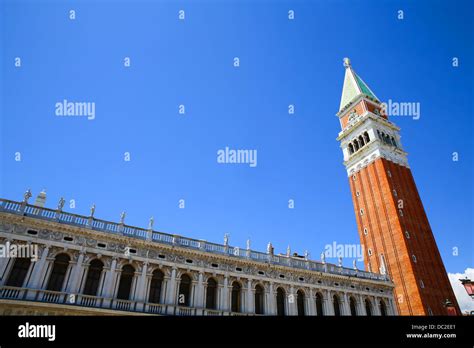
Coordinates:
92	223
88	301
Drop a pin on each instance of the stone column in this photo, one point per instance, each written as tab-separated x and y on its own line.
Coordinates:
376	306
392	306
292	302
327	303
346	305
171	292
225	295
108	289
311	303
4	264
361	305
76	275
199	298
250	306
193	293
140	294
270	297
37	274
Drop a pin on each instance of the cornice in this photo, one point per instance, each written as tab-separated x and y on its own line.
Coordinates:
33	223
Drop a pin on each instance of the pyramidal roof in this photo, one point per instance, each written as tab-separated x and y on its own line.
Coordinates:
353	86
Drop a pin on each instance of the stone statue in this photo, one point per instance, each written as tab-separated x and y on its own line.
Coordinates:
122	217
61	204
226	239
323	257
306	255
92	210
382	269
354	264
27	195
288	251
248	244
340	261
150	223
347	62
270	248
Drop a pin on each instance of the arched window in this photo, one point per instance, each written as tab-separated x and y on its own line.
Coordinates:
211	294
356	145
353	306
156	284
184	291
235	297
93	278
378	134
368	308
366	137
319	305
60	266
19	272
300	302
351	149
383	308
125	284
361	141
280	301
393	141
337	305
259	300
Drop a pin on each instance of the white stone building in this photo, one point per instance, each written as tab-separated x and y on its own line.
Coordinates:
88	266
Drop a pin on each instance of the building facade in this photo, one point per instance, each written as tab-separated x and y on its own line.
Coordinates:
88	266
392	223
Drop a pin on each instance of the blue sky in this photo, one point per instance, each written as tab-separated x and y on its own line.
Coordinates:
190	62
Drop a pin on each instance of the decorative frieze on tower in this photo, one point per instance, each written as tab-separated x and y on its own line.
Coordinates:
392	223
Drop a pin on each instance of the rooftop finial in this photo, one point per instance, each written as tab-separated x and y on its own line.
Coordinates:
41	199
151	223
347	62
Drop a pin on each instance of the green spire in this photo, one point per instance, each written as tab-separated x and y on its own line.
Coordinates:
353	86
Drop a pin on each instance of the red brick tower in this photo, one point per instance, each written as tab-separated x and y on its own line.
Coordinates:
393	226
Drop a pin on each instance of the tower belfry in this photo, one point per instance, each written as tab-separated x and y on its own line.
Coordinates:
392	223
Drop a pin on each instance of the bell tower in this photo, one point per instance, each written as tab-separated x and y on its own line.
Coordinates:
393	227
